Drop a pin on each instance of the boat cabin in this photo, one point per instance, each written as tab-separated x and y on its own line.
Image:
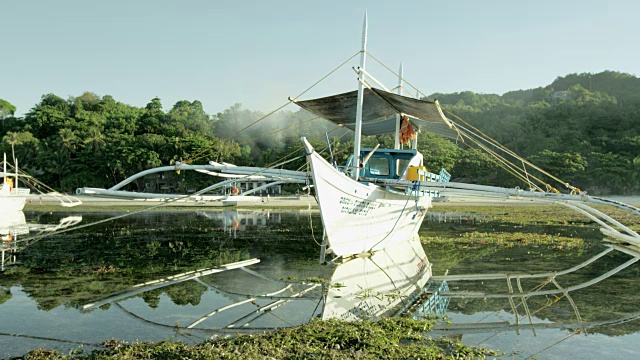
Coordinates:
390	164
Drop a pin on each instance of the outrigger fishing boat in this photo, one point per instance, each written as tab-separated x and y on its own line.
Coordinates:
376	200
380	197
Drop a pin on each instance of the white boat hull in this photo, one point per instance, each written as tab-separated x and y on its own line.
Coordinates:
359	217
13	200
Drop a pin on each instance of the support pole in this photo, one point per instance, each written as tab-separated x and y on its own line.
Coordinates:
399	91
358	128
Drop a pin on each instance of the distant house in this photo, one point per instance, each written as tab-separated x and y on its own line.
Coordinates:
560	95
170	183
250	185
162	183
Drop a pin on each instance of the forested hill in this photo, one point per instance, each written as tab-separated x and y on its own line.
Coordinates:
584	128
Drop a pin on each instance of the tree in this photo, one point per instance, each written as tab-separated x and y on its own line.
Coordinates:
68	140
6	109
17	138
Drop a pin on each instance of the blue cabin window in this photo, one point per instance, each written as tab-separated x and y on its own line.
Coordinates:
385	163
378	166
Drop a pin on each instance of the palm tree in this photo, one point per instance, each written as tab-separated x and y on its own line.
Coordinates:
13	139
68	140
94	141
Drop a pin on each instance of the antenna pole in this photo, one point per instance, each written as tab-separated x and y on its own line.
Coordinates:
397	141
358	129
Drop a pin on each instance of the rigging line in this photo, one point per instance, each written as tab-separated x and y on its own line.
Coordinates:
34	183
397	75
198	156
552	345
511	168
396	223
312	233
513	153
467	133
293	152
402	299
163	203
479	131
151	322
501	166
279	130
523	177
320	300
293	99
457	117
332	144
50	339
502	160
329	74
257	121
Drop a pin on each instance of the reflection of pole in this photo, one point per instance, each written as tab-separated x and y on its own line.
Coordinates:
323	247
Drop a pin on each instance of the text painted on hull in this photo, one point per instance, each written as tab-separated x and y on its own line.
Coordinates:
357	207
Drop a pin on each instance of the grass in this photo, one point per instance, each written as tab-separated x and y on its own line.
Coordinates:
398	338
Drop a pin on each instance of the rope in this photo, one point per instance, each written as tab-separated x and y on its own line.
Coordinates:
552	345
280	130
197	155
503	148
487	137
293	99
35	184
163	203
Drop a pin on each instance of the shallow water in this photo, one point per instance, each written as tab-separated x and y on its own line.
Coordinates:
42	292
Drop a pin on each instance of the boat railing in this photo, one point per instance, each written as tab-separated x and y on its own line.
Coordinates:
20	192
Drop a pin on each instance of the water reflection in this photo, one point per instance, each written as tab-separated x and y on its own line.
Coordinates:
543	300
239	299
233	221
370	287
177	257
13	225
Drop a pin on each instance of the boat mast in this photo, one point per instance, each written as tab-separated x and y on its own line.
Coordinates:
15	186
358	128
399	91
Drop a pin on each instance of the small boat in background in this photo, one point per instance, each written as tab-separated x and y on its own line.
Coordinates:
12	198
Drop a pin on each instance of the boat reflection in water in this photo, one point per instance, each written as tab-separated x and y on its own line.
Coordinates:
233	221
372	286
238	299
13	225
593	298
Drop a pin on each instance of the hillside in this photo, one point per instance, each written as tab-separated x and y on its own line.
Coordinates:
584	128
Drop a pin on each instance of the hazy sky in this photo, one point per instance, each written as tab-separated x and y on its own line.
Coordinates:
258	53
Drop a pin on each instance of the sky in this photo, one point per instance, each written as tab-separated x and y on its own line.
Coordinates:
259	53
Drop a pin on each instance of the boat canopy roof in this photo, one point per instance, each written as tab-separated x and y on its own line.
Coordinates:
379	110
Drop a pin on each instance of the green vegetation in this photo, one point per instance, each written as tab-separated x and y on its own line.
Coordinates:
583	128
515	239
399	338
